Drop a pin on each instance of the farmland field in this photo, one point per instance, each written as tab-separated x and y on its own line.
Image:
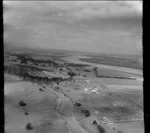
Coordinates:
62	95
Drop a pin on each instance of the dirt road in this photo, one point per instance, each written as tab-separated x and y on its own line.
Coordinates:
65	109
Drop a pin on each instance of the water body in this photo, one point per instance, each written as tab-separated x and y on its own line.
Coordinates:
76	59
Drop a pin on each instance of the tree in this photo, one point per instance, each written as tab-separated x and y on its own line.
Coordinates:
101	129
22	103
86	112
29	126
71	74
77	104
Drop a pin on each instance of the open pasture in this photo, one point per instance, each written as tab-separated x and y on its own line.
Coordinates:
37	108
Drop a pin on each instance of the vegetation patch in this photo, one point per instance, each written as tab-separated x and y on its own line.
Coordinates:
29	126
22	104
100	128
86	112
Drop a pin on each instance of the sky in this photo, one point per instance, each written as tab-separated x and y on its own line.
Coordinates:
95	26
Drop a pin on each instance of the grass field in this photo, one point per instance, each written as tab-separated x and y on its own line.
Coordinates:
40	109
40	105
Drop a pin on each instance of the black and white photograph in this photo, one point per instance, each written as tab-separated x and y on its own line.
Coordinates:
73	66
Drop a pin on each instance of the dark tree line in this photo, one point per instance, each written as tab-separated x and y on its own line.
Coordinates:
25	58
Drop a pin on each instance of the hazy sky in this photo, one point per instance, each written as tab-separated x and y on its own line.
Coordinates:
97	26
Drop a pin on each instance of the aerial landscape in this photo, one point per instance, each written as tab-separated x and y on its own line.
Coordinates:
59	89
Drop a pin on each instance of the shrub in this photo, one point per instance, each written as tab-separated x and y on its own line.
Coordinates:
29	126
65	94
77	104
22	103
101	129
86	113
71	74
26	113
95	122
40	89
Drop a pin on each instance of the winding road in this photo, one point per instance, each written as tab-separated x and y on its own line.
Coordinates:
65	109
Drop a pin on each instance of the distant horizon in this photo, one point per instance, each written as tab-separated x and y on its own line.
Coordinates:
66	50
